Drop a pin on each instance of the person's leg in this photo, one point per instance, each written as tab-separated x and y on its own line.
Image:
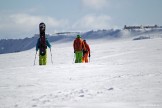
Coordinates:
79	56
40	60
45	59
86	57
83	59
76	57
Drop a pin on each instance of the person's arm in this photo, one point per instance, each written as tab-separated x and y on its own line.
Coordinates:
74	46
89	50
48	44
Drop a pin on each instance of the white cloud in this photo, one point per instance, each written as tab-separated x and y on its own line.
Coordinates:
28	24
90	22
95	4
25	19
31	21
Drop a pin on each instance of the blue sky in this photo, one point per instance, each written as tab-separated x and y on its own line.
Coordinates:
20	18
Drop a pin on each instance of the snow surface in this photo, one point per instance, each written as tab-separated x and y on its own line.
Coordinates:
123	73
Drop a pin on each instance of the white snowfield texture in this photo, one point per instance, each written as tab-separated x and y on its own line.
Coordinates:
122	73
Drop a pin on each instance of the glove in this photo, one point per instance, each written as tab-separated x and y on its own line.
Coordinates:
89	55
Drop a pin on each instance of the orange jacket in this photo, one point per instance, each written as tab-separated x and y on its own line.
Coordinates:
87	48
78	44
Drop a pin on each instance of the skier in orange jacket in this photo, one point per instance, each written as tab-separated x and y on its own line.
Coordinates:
86	52
79	47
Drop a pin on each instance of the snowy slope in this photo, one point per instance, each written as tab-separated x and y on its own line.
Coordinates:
18	45
121	74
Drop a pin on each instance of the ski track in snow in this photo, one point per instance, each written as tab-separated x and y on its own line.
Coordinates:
121	74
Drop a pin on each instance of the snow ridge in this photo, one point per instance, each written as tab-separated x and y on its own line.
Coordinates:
18	45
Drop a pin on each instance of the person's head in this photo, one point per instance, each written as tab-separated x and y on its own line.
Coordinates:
84	41
78	36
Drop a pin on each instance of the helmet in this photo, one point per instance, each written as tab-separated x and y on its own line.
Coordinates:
78	36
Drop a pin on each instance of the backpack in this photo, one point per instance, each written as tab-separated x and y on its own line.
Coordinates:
42	39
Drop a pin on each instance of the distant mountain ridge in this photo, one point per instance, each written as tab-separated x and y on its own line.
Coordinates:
17	45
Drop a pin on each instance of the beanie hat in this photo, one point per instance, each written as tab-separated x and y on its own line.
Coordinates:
78	36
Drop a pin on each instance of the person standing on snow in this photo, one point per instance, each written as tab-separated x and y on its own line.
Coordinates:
42	44
86	52
78	46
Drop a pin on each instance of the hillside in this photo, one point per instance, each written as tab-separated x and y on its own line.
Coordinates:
18	45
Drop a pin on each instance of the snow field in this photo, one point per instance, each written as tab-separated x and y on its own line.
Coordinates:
121	74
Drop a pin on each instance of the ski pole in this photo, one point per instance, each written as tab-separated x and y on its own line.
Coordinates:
89	59
35	57
74	58
51	56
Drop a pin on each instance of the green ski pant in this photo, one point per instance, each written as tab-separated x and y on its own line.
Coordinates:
78	55
43	59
